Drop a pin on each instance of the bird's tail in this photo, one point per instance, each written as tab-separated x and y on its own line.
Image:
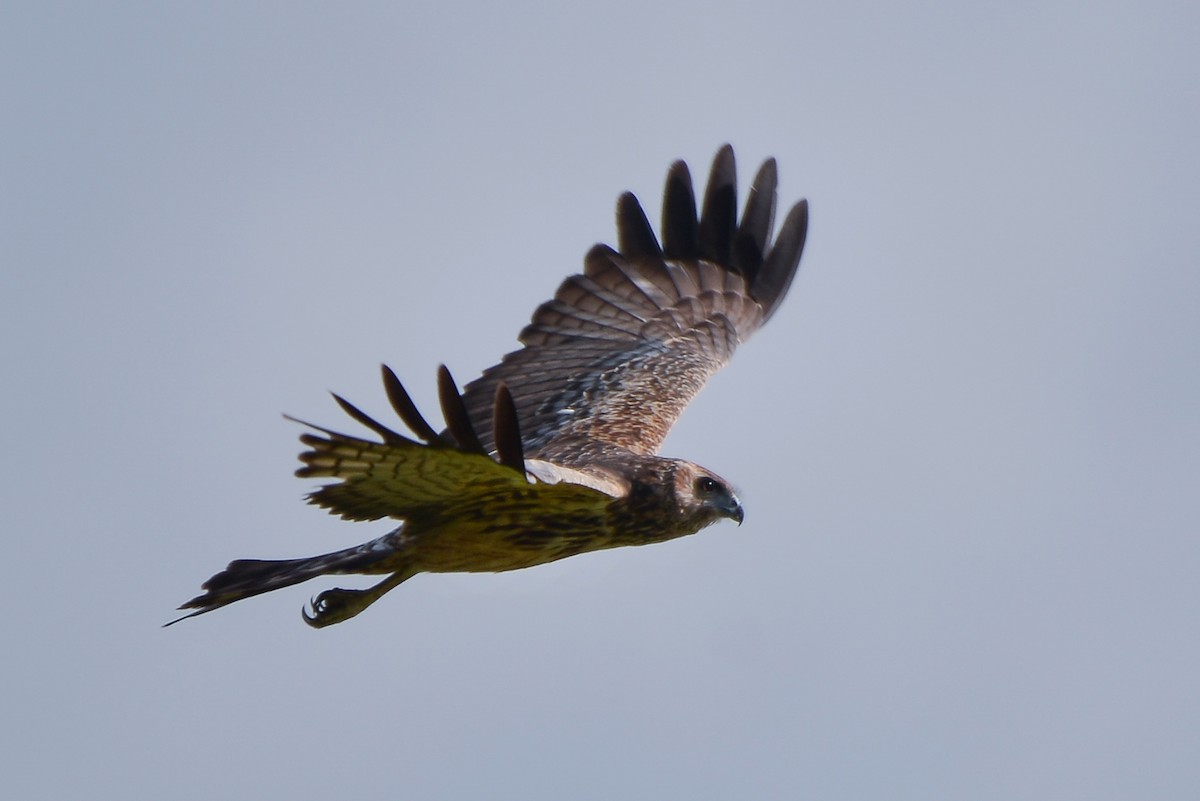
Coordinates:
244	578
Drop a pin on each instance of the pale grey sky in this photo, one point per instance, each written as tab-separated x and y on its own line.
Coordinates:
968	443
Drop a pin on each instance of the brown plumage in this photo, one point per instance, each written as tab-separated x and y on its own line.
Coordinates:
552	452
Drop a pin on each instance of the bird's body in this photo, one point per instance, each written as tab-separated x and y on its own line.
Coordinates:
553	452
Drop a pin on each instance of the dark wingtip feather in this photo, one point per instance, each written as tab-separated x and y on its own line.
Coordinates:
680	229
719	217
404	406
598	258
772	281
750	245
635	236
458	421
506	430
389	436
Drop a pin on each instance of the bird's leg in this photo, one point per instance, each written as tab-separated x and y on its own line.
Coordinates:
336	605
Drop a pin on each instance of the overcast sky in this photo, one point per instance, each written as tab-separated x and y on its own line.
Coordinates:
968	443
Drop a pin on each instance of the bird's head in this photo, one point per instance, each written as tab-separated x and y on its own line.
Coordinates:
705	497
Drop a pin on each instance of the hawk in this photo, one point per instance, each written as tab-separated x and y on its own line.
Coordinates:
554	451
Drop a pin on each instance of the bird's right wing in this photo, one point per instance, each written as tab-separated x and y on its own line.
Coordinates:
620	351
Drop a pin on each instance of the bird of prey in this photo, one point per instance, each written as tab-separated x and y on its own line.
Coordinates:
553	451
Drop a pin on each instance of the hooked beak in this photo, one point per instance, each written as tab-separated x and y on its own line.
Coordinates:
733	510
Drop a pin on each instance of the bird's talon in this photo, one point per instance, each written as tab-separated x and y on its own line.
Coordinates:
333	606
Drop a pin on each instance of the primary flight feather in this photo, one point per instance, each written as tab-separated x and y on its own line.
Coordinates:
553	451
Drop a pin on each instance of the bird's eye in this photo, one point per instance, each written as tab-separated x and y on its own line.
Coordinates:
706	486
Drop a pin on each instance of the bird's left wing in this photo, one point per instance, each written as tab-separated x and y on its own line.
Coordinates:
402	478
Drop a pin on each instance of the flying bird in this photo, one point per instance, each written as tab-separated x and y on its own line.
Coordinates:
554	451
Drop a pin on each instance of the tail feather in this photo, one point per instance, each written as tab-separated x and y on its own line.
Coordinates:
245	578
